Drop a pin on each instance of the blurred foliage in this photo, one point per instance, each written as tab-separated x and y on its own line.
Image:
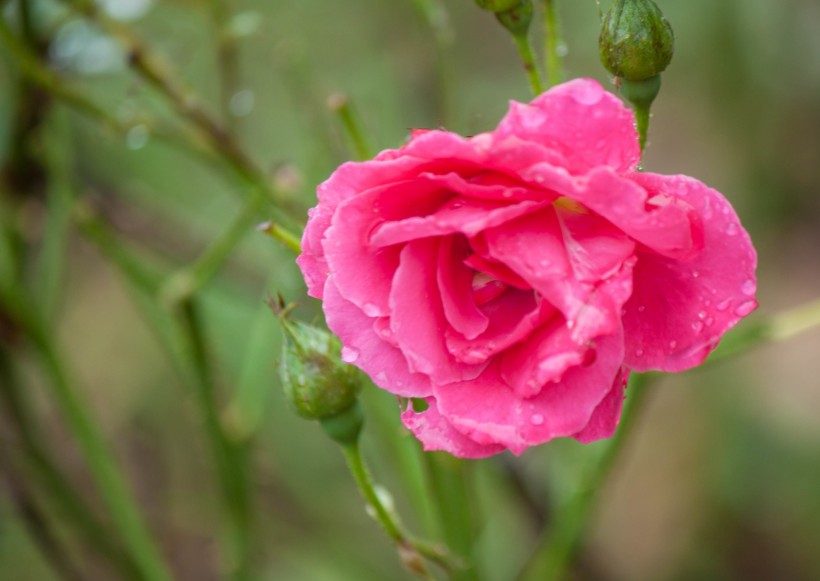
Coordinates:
722	480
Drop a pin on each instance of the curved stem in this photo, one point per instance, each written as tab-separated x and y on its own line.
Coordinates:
558	548
411	550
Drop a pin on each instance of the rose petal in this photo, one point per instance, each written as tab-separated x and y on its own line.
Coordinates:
436	433
417	318
605	418
385	364
587	125
489	412
679	310
455	281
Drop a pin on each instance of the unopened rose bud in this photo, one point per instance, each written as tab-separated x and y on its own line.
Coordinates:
636	41
317	383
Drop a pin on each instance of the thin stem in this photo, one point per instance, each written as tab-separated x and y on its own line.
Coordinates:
227	59
229	457
288	239
435	15
188	281
340	105
111	485
410	548
557	550
448	483
524	46
50	478
774	329
642	124
552	40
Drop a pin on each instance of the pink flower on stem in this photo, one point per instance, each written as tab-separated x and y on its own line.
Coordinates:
514	279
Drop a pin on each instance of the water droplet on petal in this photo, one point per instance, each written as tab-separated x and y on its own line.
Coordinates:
641	308
349	355
673	344
537	419
695	274
723	305
709	322
639	353
137	137
731	229
749	287
697	326
381	376
702	315
745	308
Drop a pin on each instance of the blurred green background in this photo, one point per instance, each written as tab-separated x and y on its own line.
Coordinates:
722	480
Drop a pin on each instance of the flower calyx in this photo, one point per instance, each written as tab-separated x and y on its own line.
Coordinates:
317	383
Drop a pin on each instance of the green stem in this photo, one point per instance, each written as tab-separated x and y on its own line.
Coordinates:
557	550
774	329
524	46
50	478
642	124
230	458
188	281
340	105
435	15
288	239
111	485
410	549
452	501
552	40
227	59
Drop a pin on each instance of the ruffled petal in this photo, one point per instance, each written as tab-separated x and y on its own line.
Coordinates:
489	412
436	433
417	317
679	310
455	281
604	420
588	126
385	364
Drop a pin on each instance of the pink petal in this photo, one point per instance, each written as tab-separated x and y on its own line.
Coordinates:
463	215
679	310
363	274
455	281
588	126
489	412
417	316
604	420
512	316
385	364
436	433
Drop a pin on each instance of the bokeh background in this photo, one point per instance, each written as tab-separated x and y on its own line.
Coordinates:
722	478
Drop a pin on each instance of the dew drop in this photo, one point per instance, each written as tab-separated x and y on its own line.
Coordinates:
709	322
697	326
673	344
537	419
137	137
349	355
723	305
641	308
731	229
745	308
748	287
695	274
242	102
639	353
702	315
381	376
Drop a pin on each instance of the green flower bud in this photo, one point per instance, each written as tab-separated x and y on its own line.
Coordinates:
517	19
636	41
316	382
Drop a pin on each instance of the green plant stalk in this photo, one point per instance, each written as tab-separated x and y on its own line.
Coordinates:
158	73
448	483
110	483
556	552
642	124
435	15
227	59
288	239
525	52
408	547
340	105
552	40
230	457
185	283
51	479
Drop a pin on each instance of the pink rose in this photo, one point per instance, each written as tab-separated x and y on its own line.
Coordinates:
513	279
